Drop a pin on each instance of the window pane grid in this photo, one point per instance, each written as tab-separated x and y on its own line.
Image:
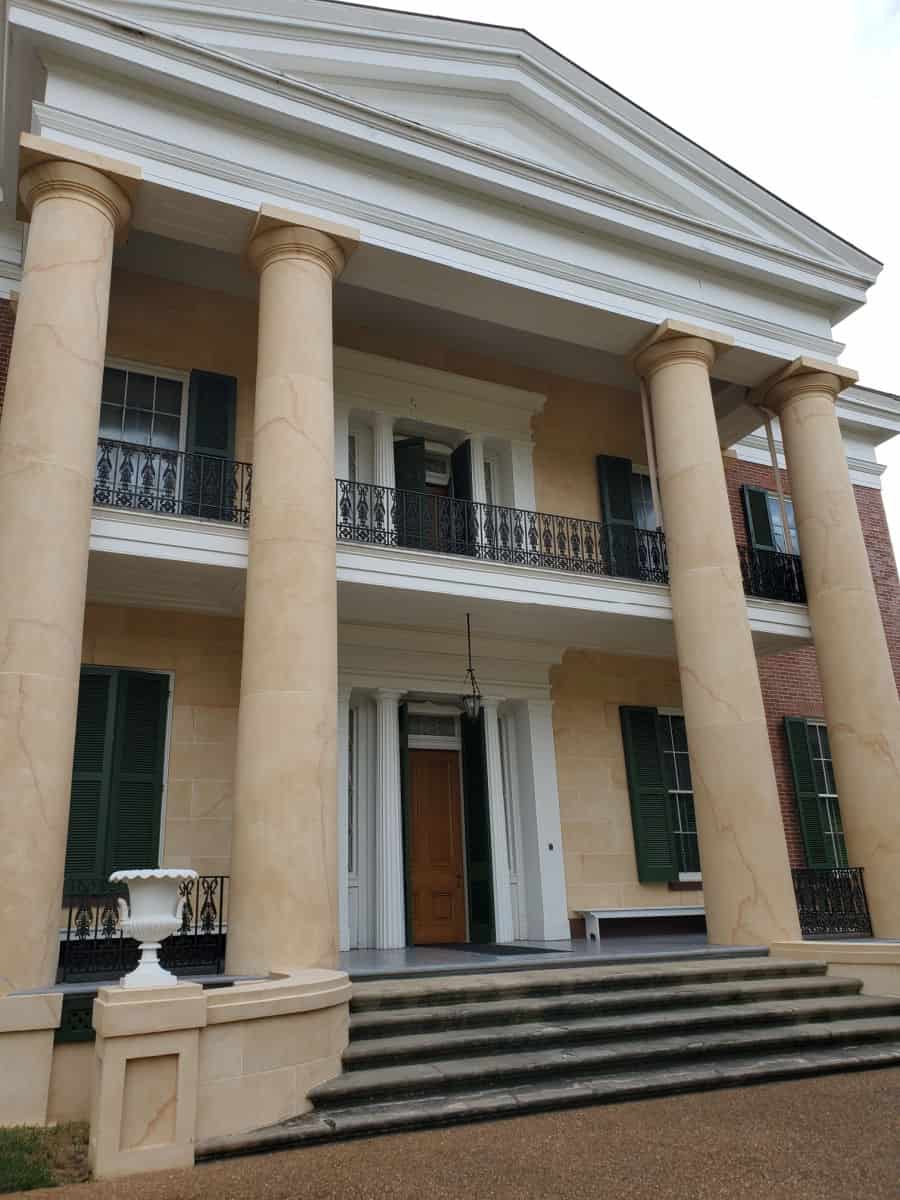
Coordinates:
826	789
140	408
681	796
778	536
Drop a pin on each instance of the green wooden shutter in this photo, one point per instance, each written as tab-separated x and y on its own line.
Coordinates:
809	807
479	874
137	774
212	410
759	524
88	804
651	816
620	542
414	515
208	485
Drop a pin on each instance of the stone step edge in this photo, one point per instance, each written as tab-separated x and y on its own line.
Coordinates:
352	1088
383	1051
318	1127
367	997
380	1024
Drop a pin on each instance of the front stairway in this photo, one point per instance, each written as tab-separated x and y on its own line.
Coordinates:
427	1052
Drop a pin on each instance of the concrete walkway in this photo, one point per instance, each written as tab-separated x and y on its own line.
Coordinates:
837	1136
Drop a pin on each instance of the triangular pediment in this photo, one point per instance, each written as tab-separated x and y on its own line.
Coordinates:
501	94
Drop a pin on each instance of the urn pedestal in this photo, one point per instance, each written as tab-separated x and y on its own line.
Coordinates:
153	915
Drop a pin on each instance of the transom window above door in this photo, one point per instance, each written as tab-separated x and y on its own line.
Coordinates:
142	408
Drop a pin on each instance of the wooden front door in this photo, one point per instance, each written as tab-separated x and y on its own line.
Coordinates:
438	894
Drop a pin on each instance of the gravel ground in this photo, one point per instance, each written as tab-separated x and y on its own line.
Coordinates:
837	1136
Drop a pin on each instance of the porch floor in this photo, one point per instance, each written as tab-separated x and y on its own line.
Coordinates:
458	960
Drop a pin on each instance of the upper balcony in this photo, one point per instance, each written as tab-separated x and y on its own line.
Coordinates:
146	481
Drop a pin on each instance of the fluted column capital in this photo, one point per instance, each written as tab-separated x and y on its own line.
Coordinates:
803	376
280	235
677	341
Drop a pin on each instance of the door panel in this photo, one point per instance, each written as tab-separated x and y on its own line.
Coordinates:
436	860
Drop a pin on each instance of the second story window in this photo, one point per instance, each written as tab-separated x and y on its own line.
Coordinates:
143	409
642	500
765	524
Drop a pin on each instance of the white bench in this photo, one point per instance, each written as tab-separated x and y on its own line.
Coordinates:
593	916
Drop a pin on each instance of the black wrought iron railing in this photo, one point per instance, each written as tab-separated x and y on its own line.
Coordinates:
382	516
771	575
172	482
92	945
831	901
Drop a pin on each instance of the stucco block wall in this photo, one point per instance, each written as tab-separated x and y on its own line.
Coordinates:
790	682
598	844
205	655
163	323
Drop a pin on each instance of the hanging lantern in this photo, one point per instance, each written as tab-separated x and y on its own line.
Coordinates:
471	702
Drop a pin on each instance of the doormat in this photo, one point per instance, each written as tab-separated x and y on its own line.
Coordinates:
495	948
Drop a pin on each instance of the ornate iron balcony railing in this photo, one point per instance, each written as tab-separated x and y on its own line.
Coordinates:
381	516
771	575
92	945
170	481
831	901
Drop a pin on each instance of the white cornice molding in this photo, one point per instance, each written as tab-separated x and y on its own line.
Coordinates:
559	278
435	151
519	54
755	448
375	383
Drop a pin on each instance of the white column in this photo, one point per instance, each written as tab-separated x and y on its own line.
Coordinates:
390	912
476	452
343	782
383	430
542	857
503	916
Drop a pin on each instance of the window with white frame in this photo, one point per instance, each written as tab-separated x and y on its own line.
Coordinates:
677	767
143	408
826	789
645	516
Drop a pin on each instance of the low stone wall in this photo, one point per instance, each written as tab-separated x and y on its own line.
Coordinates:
877	964
170	1066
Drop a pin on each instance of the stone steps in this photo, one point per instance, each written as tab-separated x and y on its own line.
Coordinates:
410	1079
427	1052
411	1021
397	994
489	1104
451	1043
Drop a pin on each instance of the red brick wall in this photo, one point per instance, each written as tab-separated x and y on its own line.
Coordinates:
6	328
790	682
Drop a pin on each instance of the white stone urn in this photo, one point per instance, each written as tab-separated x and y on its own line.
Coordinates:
155	914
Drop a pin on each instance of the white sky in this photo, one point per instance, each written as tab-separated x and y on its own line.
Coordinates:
801	95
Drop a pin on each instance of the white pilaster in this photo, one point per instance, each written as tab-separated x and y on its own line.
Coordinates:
341	441
390	913
476	452
522	476
542	856
343	786
503	915
383	430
